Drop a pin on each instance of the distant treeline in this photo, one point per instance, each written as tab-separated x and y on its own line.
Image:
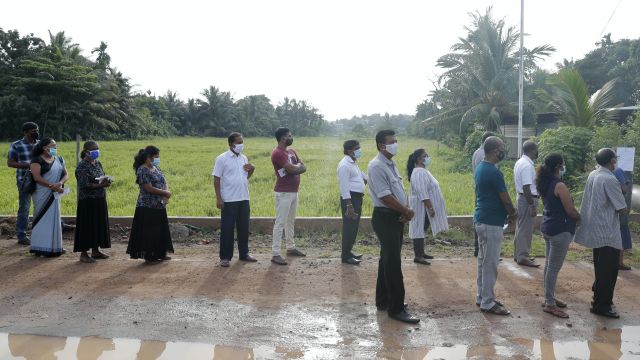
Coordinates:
66	93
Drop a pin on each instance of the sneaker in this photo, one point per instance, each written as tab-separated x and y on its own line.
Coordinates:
224	263
278	260
295	252
25	241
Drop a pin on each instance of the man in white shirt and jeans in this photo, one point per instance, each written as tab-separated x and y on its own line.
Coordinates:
524	175
352	182
231	174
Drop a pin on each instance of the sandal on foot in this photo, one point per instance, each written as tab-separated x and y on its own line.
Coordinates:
100	256
555	311
560	304
87	259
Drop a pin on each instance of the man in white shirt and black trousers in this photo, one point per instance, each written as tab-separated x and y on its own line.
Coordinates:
524	175
231	174
352	182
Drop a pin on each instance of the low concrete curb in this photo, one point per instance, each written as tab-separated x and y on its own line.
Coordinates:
265	224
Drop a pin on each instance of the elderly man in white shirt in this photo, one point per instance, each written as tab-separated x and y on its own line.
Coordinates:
352	183
524	175
602	203
231	174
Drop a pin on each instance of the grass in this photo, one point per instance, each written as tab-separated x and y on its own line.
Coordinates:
188	163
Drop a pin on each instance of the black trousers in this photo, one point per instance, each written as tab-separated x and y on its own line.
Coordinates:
605	264
349	225
390	283
234	215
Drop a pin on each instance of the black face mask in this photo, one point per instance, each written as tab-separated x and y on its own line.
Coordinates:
35	136
289	142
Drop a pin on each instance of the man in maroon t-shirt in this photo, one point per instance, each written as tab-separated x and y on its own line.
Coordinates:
287	166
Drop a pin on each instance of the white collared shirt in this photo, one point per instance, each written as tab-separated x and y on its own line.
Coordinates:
234	180
524	173
350	178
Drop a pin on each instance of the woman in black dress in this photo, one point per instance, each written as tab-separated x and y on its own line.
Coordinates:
150	238
92	217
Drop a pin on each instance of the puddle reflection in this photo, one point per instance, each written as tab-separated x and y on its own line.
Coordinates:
606	345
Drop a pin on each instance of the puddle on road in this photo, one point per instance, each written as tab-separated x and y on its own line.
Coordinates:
607	344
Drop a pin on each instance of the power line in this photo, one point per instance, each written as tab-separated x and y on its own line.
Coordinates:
610	17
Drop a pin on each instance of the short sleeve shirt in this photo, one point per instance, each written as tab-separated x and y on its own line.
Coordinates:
524	173
86	174
489	184
20	151
477	158
285	182
384	180
600	223
146	176
234	180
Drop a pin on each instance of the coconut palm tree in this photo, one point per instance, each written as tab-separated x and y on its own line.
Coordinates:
481	77
569	96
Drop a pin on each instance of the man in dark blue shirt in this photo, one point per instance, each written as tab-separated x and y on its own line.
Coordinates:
20	159
493	208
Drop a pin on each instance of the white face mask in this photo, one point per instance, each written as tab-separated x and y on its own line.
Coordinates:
392	148
238	148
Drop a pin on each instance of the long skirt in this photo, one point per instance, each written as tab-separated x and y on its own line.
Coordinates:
92	225
150	238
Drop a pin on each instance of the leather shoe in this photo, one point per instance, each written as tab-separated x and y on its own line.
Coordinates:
427	256
278	260
67	227
527	262
356	256
25	241
608	313
405	317
249	258
296	252
352	261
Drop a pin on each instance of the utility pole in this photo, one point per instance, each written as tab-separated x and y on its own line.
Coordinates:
521	82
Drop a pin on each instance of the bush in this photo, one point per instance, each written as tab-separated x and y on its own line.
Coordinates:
606	135
631	138
570	141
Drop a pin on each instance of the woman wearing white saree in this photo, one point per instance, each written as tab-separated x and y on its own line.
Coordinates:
425	199
50	175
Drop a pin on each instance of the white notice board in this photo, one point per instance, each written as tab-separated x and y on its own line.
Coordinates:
626	156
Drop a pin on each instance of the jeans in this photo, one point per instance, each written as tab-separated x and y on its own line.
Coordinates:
349	225
286	206
390	284
556	248
489	241
234	215
24	204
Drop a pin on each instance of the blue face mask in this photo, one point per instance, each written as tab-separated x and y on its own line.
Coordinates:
94	154
357	154
53	151
155	161
427	162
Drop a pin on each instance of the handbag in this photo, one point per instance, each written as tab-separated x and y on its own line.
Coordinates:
28	184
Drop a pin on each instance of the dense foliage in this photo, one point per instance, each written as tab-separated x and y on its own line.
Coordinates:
66	93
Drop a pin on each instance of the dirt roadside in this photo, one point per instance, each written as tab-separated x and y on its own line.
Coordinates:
315	302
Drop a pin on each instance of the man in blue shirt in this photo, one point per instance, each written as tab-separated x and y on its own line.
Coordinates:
20	159
493	208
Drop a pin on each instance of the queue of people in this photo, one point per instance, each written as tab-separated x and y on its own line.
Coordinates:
41	176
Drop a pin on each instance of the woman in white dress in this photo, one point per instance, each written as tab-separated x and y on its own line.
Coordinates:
426	200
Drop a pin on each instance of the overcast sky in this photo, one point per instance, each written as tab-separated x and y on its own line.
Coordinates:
346	57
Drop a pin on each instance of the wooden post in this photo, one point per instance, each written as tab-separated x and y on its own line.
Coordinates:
78	139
